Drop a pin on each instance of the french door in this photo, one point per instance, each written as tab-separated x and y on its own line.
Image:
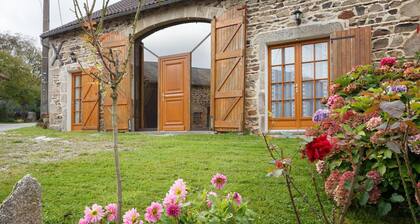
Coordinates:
299	74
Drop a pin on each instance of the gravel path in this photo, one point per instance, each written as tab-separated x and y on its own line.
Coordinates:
10	126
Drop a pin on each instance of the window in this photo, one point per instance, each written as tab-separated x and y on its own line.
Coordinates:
298	80
77	99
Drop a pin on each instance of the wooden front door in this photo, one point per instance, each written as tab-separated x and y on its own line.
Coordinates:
174	92
228	70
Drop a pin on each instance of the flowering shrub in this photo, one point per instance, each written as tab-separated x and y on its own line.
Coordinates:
179	206
366	144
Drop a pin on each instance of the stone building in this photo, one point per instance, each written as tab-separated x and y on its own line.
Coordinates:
269	57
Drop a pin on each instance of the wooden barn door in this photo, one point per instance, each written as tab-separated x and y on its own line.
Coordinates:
174	92
350	48
90	97
228	70
118	44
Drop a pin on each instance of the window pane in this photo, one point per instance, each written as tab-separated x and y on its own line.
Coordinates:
276	92
321	51
289	108
319	105
76	117
77	93
308	71
276	57
77	105
289	91
321	88
276	74
276	109
77	81
307	108
321	70
289	73
307	89
289	55
308	52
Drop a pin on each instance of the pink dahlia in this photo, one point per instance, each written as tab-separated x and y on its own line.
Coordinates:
331	183
94	214
335	102
132	217
374	195
219	181
170	199
209	195
83	221
373	123
375	176
173	210
179	188
111	211
388	61
153	212
341	193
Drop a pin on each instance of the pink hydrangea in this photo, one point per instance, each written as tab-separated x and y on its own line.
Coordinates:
335	102
132	217
374	195
341	193
388	61
334	88
153	212
320	166
94	214
375	176
179	188
373	123
331	183
111	211
219	181
170	199
210	194
173	210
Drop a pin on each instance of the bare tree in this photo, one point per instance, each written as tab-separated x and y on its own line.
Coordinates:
110	67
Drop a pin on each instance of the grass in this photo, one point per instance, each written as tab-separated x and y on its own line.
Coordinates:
151	163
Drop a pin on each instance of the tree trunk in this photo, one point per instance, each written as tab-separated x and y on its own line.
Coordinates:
116	154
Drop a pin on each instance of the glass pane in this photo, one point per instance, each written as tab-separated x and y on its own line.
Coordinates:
276	74
321	51
308	71
289	108
77	105
307	108
276	57
289	73
77	93
319	105
289	55
77	81
321	70
321	88
308	52
76	118
276	109
289	91
307	90
276	92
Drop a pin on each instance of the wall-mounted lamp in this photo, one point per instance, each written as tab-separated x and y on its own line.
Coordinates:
73	57
298	16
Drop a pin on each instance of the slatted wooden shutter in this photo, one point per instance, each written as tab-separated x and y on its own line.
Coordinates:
350	48
118	44
228	70
90	103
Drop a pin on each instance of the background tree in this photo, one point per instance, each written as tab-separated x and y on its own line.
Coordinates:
110	68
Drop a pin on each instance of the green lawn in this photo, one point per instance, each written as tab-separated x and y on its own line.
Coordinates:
149	166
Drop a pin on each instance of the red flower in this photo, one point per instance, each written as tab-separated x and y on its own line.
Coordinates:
318	148
388	61
279	164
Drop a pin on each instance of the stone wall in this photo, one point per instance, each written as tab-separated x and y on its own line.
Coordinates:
393	22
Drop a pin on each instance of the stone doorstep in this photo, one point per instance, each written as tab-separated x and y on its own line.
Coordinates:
292	133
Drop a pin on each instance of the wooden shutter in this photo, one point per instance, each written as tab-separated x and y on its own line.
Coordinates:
118	43
228	70
350	48
90	97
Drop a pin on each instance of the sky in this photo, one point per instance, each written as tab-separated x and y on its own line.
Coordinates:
25	17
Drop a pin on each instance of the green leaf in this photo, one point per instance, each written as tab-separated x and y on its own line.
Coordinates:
384	208
387	154
347	185
382	169
369	185
396	198
364	199
416	166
